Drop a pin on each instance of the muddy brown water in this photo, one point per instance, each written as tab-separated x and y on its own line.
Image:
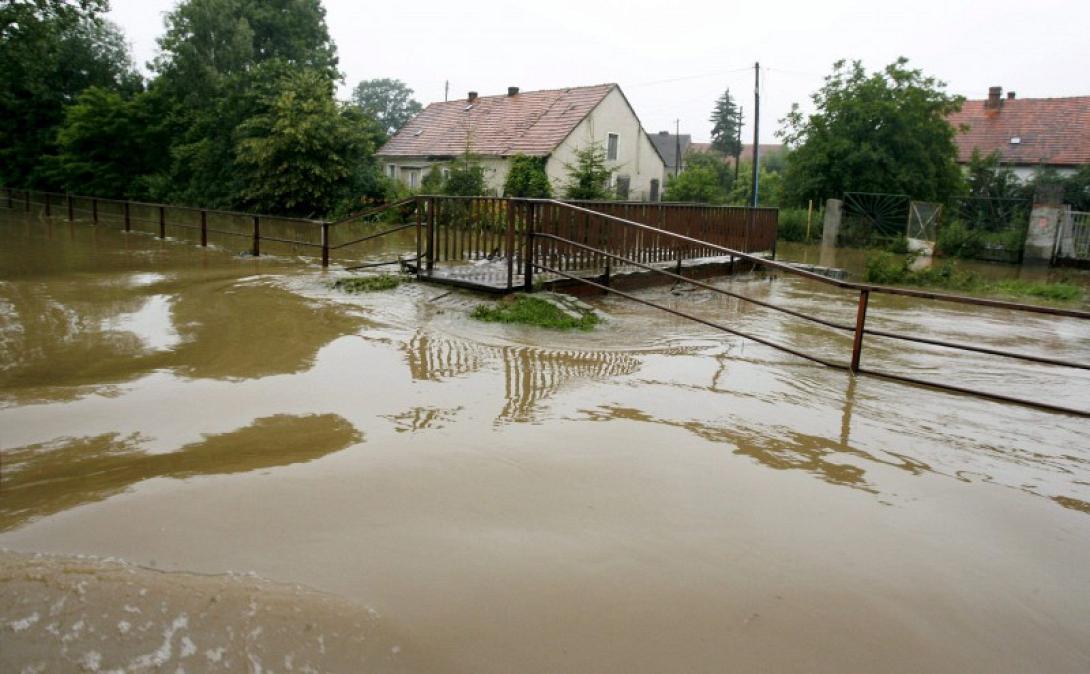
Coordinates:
217	463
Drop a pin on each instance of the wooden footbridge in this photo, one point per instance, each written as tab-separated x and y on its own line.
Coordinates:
501	245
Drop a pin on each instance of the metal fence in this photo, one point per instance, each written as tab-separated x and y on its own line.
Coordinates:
546	240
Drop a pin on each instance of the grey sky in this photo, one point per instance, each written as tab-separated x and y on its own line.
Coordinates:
674	59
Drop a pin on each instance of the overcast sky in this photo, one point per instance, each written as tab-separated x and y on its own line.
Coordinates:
673	59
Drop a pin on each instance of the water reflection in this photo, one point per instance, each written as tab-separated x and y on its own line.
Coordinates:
779	448
61	335
43	479
531	375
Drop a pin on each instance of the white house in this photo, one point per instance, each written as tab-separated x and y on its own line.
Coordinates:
553	123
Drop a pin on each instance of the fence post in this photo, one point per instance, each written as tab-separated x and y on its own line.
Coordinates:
71	210
419	243
528	283
162	222
860	324
325	244
510	243
431	236
204	228
128	220
257	237
94	211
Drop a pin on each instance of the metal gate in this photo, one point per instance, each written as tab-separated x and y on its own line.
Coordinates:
1073	244
871	218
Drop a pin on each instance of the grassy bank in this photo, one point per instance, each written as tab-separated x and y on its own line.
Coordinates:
527	310
895	270
366	284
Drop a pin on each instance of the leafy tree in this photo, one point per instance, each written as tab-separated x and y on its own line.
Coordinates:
389	101
466	178
433	181
299	156
725	121
986	177
770	185
706	179
588	177
882	132
527	178
105	145
220	62
50	52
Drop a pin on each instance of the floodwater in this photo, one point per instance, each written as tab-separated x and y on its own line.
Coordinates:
216	463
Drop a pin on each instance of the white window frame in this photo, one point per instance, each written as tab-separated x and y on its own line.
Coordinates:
414	178
616	146
391	171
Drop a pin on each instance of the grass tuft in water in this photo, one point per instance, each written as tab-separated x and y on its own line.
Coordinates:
528	310
888	269
366	284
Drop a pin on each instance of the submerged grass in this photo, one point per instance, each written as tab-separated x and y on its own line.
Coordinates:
889	269
528	310
366	284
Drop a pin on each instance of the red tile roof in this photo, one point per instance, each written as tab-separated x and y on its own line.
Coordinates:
747	150
532	123
1051	130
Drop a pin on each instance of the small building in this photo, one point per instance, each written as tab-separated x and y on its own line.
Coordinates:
1028	133
673	148
552	123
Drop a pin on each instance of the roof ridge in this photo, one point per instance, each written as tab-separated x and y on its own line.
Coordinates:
534	91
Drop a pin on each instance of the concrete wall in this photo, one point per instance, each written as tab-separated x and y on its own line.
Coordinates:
636	157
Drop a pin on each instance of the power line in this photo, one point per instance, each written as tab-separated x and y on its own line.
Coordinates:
690	77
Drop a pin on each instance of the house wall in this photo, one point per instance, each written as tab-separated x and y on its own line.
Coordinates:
495	169
636	157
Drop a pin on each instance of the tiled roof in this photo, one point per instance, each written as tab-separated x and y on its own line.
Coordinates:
532	123
1050	130
667	144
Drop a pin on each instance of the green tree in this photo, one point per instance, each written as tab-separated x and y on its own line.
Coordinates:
389	101
588	177
706	179
220	63
433	182
882	132
105	146
986	177
466	177
770	186
50	52
725	121
527	178
300	156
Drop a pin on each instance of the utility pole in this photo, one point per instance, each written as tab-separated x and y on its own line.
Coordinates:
446	90
738	145
756	129
677	146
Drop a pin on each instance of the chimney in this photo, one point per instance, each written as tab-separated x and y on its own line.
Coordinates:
1010	95
511	91
994	95
472	96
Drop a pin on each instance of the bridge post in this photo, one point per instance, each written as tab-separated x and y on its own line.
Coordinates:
94	211
860	324
204	228
325	244
528	283
162	222
510	243
257	237
128	219
431	235
419	231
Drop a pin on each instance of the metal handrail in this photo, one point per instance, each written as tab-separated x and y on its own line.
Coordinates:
860	326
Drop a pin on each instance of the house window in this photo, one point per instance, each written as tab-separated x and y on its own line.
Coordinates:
611	147
414	178
446	174
391	171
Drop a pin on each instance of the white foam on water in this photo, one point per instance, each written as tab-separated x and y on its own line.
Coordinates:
25	623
